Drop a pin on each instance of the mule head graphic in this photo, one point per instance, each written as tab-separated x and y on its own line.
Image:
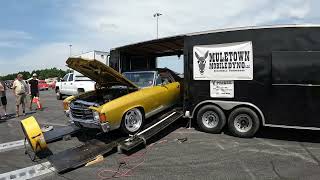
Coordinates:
202	61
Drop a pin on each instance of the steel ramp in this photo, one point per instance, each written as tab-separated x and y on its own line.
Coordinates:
142	137
59	132
78	156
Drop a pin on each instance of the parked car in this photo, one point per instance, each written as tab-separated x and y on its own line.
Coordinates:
52	84
73	84
121	101
42	85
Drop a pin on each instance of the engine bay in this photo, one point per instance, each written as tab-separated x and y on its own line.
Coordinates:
102	96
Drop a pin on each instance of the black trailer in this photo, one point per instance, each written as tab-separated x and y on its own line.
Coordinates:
242	78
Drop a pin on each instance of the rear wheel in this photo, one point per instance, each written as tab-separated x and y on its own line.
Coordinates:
211	118
132	121
80	90
58	94
243	122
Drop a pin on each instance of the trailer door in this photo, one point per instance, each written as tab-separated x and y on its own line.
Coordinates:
296	88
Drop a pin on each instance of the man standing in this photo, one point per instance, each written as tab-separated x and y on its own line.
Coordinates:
3	97
34	90
20	89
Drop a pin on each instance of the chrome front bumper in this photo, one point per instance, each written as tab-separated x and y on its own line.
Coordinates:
92	124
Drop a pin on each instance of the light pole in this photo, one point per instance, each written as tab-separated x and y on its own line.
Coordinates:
70	46
157	16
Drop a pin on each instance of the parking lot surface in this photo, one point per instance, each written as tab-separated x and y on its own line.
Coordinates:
179	153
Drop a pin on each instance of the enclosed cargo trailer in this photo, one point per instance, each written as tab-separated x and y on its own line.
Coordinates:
244	77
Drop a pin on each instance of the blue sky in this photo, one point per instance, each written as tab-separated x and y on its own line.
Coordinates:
35	34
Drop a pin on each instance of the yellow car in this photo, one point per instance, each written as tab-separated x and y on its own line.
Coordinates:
121	100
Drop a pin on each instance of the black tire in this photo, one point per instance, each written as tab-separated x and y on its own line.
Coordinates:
125	123
243	122
58	94
213	114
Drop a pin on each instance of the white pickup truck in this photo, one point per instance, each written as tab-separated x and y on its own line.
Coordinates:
73	84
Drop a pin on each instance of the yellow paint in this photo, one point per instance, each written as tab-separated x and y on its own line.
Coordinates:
33	134
147	99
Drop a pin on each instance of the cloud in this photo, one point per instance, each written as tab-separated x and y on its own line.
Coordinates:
13	39
101	25
14	35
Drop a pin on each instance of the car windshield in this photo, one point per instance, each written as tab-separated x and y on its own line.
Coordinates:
141	79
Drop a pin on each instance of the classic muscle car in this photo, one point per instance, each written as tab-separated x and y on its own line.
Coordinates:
121	100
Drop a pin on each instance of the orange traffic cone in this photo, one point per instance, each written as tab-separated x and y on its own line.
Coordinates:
36	100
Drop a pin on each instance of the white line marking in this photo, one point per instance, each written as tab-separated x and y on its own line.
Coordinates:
287	152
28	172
220	146
245	167
12	145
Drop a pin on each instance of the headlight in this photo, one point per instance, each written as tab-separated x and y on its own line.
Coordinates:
96	116
99	117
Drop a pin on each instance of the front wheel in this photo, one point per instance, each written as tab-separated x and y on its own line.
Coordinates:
243	122
211	118
132	121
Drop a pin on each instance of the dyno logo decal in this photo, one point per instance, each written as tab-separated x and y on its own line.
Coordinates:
202	61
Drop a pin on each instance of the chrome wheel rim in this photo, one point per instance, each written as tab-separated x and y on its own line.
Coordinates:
243	123
210	119
133	120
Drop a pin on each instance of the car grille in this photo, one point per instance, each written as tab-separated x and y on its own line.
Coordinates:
80	111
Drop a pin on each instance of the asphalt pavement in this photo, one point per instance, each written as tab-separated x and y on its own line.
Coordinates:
178	153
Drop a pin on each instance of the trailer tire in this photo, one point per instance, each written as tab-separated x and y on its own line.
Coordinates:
243	122
132	121
211	119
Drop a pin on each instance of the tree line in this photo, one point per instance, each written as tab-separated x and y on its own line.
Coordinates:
42	74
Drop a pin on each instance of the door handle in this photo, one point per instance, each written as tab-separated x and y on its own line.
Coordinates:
70	83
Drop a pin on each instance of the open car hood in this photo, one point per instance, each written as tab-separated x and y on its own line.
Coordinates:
99	72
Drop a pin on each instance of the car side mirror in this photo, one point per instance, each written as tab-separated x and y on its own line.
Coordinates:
61	80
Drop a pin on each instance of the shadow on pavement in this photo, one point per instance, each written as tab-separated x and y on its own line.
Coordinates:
299	135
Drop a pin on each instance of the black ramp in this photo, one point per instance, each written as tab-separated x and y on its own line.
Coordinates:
75	157
59	132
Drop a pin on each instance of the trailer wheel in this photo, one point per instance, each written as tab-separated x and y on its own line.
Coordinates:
211	118
58	94
243	122
132	121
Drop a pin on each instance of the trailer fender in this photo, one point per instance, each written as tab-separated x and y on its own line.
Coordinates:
228	105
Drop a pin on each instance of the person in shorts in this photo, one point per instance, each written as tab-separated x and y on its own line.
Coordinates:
34	89
3	97
20	90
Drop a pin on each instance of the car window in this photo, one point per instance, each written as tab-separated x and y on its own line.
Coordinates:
65	78
80	77
158	81
141	79
70	77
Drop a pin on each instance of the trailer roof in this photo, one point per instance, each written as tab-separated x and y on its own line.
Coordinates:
173	45
158	47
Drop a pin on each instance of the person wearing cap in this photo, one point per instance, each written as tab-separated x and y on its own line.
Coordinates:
34	89
20	89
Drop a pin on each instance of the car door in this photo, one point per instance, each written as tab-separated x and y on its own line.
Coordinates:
70	85
172	93
63	83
